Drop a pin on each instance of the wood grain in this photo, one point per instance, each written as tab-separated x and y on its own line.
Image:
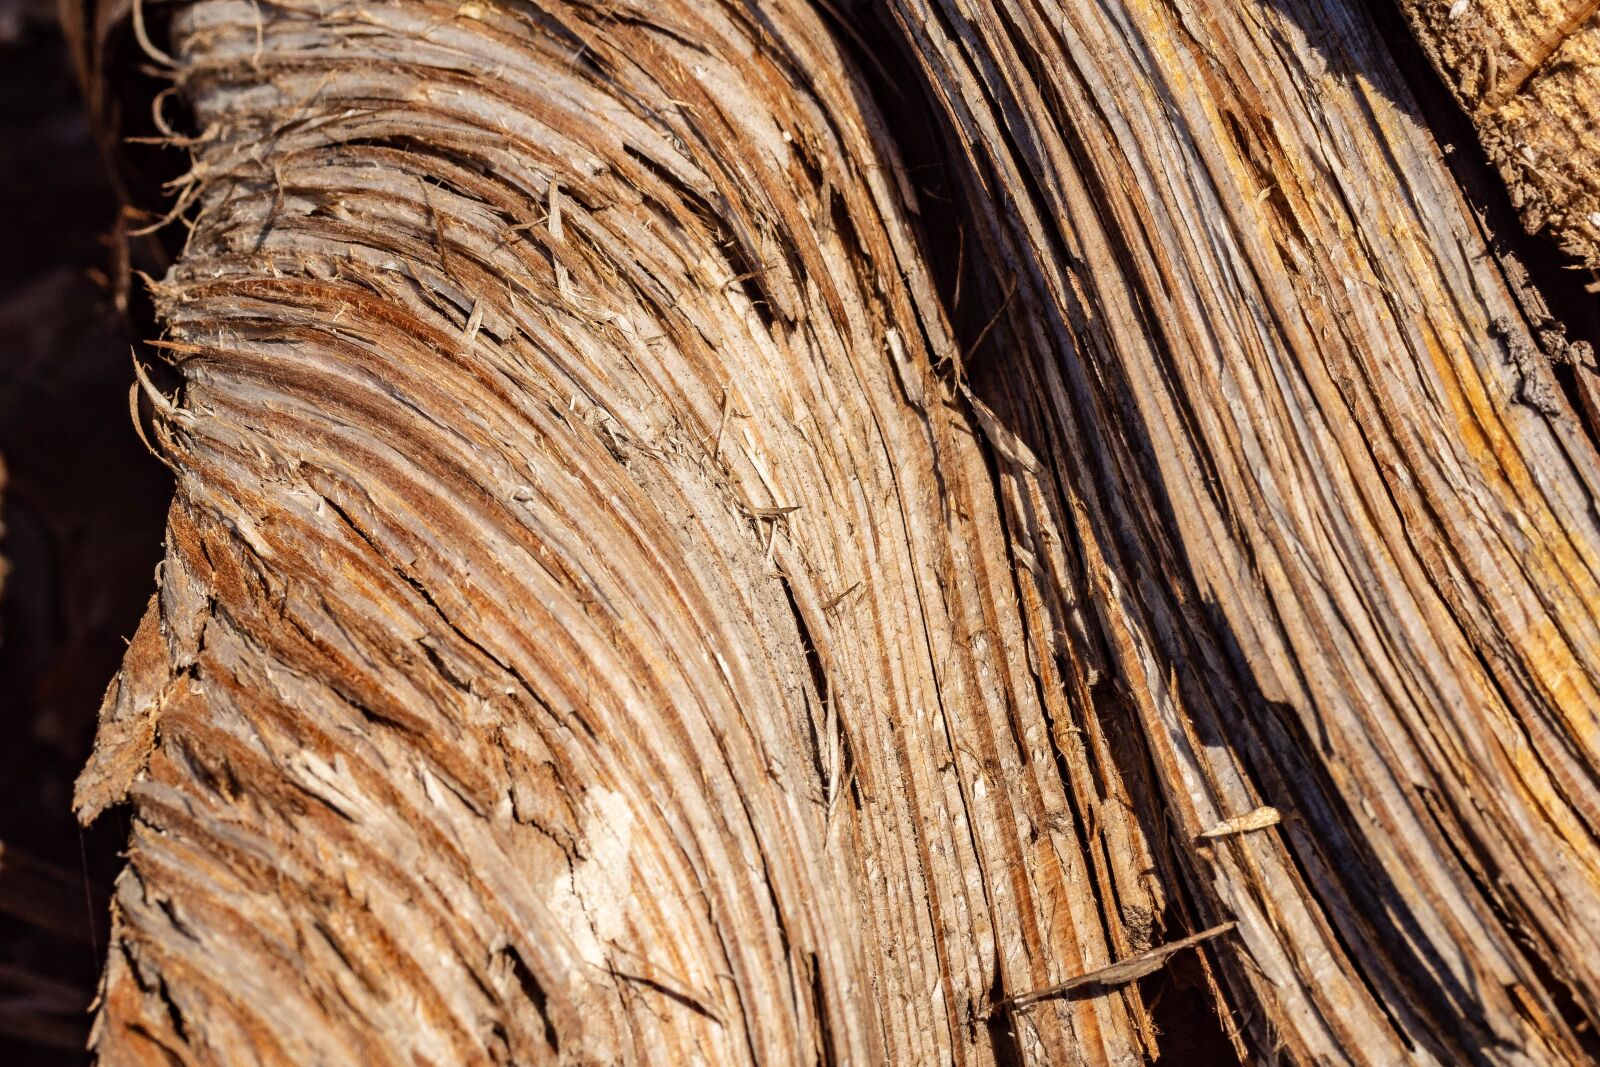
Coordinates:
1332	516
619	608
587	632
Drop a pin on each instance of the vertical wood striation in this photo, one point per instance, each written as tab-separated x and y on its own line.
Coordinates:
1330	512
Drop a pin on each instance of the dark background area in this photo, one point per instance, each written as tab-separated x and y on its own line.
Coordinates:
83	507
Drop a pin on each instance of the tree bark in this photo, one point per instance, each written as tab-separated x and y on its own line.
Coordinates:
1528	74
633	596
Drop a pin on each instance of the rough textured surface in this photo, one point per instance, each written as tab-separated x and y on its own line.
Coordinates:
608	616
587	630
1334	515
1529	74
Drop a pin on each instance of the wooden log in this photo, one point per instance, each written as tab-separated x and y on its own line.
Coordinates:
1331	513
587	632
611	614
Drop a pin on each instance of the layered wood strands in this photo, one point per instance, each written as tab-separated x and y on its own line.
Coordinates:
619	608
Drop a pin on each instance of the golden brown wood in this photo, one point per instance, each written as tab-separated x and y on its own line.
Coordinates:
1332	515
587	630
618	608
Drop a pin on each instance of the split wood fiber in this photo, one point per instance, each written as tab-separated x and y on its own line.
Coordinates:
1332	514
587	631
602	622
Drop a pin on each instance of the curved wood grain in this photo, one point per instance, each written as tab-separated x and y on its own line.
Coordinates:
610	616
587	633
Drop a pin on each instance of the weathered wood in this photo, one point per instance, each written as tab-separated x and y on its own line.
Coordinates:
611	615
1332	514
1529	74
1120	973
587	629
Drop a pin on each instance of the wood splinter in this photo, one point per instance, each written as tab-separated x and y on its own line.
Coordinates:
1117	974
1259	819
